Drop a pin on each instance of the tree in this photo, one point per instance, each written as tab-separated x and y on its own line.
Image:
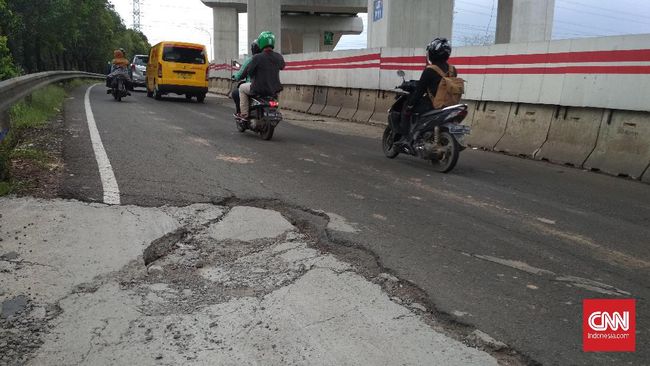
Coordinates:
66	34
7	67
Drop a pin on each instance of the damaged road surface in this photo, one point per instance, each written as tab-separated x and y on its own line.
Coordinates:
495	258
222	285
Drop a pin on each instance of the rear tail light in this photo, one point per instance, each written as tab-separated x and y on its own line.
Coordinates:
132	67
207	74
457	116
274	104
159	70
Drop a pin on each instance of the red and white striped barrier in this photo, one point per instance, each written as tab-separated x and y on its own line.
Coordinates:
609	72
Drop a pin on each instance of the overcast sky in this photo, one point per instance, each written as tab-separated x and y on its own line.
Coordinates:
191	21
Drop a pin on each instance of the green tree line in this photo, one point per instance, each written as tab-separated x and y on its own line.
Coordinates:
43	35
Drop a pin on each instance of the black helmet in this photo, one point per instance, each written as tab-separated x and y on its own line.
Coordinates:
255	48
439	50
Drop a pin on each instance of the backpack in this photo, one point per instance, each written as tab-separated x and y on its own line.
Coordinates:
450	90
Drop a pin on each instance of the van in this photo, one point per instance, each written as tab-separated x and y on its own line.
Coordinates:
177	67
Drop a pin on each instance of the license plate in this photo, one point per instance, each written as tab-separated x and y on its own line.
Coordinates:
460	130
274	115
182	75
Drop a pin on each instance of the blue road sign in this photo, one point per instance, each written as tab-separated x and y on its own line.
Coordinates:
378	12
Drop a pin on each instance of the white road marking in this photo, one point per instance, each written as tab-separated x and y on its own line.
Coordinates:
546	221
515	264
109	183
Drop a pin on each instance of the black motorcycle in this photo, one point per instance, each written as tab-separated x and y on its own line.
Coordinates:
436	135
263	117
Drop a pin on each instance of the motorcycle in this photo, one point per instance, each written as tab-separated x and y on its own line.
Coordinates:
436	135
119	81
263	117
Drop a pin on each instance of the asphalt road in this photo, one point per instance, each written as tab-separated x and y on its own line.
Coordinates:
508	245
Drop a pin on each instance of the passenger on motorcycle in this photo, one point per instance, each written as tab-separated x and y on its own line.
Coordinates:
255	49
264	71
119	66
438	52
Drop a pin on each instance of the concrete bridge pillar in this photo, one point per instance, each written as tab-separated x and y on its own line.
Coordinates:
226	33
311	42
265	15
408	23
521	21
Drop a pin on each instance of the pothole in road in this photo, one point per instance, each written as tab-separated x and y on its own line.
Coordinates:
258	273
314	232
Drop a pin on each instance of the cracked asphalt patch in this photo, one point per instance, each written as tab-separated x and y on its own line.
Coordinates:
231	285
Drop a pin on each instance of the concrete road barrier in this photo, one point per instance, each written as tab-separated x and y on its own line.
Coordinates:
367	100
212	83
385	100
227	85
623	146
304	96
572	137
472	106
489	124
320	100
335	99
288	97
350	104
219	85
527	129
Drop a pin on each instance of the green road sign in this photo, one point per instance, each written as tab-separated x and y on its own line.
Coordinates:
329	38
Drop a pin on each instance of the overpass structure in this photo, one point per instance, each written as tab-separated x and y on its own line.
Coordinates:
301	26
317	26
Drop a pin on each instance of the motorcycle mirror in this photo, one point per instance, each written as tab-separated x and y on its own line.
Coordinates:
236	64
401	73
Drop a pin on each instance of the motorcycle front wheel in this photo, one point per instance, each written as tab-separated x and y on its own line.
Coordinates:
240	126
388	145
448	153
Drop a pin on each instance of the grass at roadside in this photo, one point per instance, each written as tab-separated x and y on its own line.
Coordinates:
44	105
28	152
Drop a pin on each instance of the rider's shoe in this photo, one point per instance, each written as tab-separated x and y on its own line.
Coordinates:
403	141
109	91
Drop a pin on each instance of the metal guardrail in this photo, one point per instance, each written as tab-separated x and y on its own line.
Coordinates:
13	90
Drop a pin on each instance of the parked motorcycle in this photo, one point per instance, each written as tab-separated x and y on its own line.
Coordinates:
436	135
263	117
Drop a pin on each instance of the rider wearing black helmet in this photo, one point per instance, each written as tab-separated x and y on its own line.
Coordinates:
438	52
255	49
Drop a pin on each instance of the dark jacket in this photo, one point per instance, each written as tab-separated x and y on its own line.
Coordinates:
264	70
428	81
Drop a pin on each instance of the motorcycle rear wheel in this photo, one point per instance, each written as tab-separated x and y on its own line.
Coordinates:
267	134
448	155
